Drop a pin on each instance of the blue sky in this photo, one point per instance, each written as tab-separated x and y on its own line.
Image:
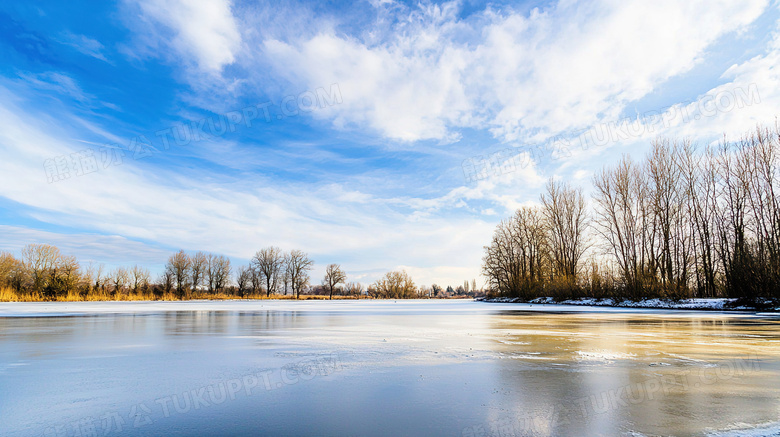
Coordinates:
384	102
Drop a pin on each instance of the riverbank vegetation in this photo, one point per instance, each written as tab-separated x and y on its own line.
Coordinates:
687	221
43	273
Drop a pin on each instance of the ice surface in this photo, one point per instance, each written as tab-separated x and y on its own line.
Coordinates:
381	368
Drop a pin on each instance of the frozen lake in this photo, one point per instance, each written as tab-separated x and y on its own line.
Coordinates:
385	368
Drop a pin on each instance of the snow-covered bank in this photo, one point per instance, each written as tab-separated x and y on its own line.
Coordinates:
743	430
715	304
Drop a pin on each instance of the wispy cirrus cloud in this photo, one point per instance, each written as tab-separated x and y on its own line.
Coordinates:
85	45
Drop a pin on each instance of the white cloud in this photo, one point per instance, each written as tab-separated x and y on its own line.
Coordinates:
525	77
569	67
203	31
750	96
196	211
402	97
113	249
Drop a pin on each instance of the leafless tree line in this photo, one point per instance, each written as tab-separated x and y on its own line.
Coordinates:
540	247
395	285
272	271
201	271
42	269
687	221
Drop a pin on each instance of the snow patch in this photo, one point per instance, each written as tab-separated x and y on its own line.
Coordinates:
713	304
745	430
602	356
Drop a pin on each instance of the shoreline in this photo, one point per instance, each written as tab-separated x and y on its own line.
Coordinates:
693	304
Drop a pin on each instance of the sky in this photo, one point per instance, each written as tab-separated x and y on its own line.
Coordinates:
376	134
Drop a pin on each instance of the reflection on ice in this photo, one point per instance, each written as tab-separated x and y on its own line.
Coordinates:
382	368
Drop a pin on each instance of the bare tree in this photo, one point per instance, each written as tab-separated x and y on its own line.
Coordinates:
519	254
198	269
761	152
100	278
40	260
395	285
268	263
11	271
167	281
299	265
567	220
139	278
619	196
670	218
217	272
354	288
7	264
699	180
179	266
286	285
119	279
333	277
70	273
243	277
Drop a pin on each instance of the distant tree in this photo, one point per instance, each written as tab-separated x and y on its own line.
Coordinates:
100	278
269	262
7	265
286	285
179	266
333	277
436	289
39	261
255	281
243	277
474	285
299	264
167	281
119	279
466	285
396	285
69	269
354	288
450	291
198	269
139	278
217	272
11	271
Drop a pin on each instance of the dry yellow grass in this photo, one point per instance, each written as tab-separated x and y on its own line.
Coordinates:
9	295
